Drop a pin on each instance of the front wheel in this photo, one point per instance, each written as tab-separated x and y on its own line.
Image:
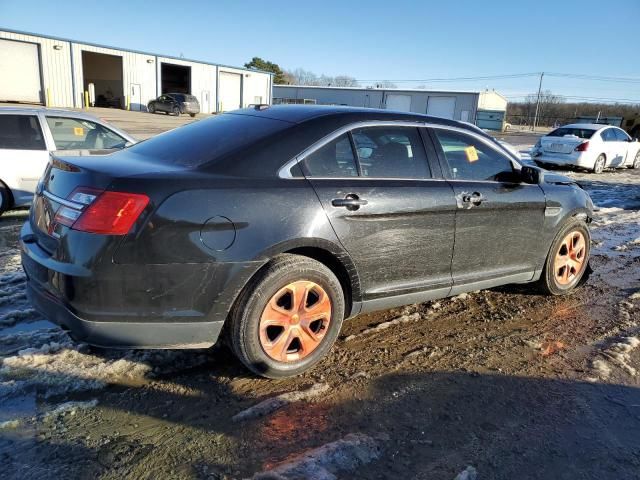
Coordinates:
598	166
288	318
151	109
567	259
636	161
4	198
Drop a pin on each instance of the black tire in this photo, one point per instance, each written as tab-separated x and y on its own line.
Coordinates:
176	111
6	199
636	161
548	282
192	115
598	165
151	108
244	328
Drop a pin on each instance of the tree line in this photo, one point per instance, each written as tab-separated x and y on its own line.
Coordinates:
554	110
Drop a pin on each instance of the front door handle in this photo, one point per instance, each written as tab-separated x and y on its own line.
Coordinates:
351	202
472	199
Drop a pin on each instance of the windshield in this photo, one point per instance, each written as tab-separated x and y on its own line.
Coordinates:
584	133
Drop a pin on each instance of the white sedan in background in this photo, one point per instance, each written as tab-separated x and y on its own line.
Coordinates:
29	134
591	146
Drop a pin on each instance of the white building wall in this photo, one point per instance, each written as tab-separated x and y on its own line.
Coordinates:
59	78
203	79
135	69
492	100
55	65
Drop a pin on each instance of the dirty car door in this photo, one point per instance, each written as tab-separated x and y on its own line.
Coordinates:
394	220
499	218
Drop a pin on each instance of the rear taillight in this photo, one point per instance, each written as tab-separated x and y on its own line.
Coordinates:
582	147
104	212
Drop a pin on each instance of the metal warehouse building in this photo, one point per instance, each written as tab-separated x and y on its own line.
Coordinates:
57	72
487	109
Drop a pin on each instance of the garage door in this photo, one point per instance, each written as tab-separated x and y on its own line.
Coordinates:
401	103
229	91
20	67
443	107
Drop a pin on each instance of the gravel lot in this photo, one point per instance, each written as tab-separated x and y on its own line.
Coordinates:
504	383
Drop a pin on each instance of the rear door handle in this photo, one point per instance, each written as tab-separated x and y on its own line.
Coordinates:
474	198
351	202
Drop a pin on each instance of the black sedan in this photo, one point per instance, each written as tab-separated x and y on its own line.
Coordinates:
175	104
272	225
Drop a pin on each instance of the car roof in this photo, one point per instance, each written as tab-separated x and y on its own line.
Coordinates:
48	111
303	113
591	126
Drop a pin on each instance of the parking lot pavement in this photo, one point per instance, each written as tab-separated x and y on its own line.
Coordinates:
504	382
142	125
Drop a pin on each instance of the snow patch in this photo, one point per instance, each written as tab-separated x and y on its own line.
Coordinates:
325	462
384	325
70	408
272	404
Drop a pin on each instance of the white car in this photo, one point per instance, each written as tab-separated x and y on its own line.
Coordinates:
29	134
586	145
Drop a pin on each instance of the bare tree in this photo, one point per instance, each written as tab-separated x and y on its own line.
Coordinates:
300	76
386	84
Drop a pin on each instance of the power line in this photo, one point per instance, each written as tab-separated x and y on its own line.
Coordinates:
599	78
453	79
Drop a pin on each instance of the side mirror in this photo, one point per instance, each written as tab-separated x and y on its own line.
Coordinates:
531	175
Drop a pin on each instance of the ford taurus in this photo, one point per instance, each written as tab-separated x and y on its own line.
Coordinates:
269	226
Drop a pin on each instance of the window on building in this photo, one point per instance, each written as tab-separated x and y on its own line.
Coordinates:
78	134
333	160
471	159
391	152
21	132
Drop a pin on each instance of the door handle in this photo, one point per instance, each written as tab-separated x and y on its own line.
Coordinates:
351	202
474	198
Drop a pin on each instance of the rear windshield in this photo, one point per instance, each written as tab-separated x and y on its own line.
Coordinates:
576	132
207	140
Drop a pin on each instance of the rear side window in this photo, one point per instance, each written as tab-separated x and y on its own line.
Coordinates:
79	134
333	160
471	159
391	152
207	140
608	135
584	133
21	132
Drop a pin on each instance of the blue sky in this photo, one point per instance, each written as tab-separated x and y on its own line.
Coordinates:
372	40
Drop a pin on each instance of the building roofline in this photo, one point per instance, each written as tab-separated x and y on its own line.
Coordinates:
80	42
365	89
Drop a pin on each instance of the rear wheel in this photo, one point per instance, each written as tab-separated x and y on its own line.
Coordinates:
598	166
567	259
192	115
288	318
176	111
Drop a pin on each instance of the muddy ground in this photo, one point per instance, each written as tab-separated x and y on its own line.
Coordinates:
505	381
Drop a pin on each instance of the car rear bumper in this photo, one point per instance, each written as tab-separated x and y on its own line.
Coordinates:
133	306
116	334
582	161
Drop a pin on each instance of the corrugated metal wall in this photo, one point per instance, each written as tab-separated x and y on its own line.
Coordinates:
65	84
55	67
465	105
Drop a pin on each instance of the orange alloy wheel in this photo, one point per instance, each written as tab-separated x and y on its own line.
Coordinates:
295	321
569	260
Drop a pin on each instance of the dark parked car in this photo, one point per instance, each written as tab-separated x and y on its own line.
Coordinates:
273	225
175	103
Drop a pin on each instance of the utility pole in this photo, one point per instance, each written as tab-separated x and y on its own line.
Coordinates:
535	118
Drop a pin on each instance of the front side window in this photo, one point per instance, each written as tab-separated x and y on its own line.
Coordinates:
333	160
621	136
469	158
391	152
78	134
21	132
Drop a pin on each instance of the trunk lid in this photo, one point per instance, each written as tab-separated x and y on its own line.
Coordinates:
563	145
64	175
